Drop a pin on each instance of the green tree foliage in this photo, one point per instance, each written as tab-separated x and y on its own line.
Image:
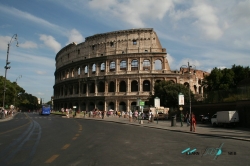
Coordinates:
15	95
221	85
225	79
168	93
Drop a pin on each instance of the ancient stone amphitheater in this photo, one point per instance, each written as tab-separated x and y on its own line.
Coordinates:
113	70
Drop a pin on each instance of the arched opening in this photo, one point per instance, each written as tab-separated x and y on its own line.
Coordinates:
146	64
134	86
86	69
146	86
122	87
111	106
91	106
92	87
133	106
101	86
122	106
83	106
93	68
134	64
103	67
100	106
111	87
112	66
123	65
158	64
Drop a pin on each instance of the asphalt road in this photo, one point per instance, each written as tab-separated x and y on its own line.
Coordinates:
30	139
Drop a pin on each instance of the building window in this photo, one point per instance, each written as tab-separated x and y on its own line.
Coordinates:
123	65
112	66
134	42
134	65
112	44
78	52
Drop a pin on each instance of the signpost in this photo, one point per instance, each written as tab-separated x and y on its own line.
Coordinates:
157	105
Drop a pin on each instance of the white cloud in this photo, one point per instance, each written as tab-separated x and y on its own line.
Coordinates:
207	20
75	36
136	13
50	42
4	40
28	44
40	72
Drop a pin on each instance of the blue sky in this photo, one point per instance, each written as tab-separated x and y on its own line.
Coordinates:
207	33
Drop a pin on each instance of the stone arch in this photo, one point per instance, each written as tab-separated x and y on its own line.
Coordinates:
101	86
83	106
112	66
91	106
111	87
123	65
186	84
122	106
102	69
92	87
134	86
133	106
79	70
158	64
86	70
146	86
195	89
84	88
134	64
70	105
146	64
93	68
122	86
100	106
111	105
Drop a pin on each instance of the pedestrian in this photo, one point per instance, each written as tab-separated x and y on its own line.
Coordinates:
130	116
150	116
188	119
103	113
193	122
182	119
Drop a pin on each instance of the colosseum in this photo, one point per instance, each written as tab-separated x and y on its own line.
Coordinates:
113	70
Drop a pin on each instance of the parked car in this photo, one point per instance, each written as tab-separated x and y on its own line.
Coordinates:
204	119
161	116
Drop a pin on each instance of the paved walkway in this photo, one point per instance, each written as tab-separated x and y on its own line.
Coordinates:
237	133
201	129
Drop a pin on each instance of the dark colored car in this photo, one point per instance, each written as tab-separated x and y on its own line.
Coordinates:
204	119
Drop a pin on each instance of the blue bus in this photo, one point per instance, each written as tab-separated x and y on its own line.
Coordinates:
45	110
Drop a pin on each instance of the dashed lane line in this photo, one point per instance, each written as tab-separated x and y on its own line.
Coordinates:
51	159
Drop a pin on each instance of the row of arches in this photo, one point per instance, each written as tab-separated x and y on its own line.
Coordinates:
101	86
122	65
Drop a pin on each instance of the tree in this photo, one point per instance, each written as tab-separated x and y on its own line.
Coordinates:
168	93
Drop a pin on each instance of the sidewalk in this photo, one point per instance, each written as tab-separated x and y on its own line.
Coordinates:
237	133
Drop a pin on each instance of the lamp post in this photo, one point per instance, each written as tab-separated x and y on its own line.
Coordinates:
20	76
8	67
189	93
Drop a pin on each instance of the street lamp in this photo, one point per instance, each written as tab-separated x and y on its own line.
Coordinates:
189	93
20	76
8	67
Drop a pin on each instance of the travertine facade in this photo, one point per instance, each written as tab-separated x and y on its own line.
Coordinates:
112	70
